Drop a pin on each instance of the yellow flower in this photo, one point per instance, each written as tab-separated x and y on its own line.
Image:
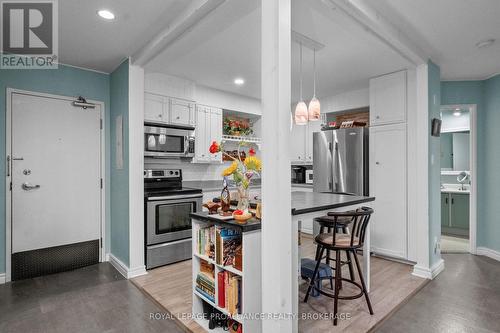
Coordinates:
229	170
253	163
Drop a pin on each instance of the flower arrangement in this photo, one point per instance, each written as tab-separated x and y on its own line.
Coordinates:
241	171
236	127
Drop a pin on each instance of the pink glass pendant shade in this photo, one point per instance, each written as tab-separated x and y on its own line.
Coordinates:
301	114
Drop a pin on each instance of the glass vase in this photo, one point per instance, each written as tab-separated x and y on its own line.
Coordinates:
244	200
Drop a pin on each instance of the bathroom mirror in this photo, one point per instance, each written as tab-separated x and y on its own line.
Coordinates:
455	140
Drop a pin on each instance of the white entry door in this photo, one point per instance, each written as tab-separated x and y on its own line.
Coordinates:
56	172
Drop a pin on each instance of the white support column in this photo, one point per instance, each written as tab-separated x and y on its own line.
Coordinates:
136	169
422	268
278	234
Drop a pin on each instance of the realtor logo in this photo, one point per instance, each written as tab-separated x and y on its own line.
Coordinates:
29	34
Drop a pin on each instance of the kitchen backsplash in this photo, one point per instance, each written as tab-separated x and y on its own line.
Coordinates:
190	171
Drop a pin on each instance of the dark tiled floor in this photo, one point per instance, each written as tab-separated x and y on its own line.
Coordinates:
92	299
465	297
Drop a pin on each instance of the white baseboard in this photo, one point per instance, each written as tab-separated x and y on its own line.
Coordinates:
2	278
429	273
124	269
484	251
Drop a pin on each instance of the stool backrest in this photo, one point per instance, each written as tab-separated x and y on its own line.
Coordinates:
359	222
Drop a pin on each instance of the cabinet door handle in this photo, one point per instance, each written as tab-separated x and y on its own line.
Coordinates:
8	165
377	117
452	201
446	200
377	163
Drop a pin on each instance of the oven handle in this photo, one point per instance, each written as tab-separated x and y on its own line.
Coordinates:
176	197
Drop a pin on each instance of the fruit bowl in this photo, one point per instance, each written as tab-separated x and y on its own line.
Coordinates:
241	217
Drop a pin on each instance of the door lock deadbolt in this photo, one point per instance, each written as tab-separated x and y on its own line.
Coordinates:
27	172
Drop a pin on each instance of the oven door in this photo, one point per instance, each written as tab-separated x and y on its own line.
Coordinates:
167	218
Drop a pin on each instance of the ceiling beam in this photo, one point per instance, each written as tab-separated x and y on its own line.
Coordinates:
365	15
193	14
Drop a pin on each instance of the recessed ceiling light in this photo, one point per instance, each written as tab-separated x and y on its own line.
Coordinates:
485	43
239	81
106	14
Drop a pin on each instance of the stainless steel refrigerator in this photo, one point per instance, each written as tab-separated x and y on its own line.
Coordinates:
340	161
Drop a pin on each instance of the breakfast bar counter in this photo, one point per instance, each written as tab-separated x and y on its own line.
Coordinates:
305	207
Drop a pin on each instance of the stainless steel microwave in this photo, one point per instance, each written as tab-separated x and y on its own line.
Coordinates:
168	142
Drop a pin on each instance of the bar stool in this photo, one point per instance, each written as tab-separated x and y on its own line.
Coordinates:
338	242
327	223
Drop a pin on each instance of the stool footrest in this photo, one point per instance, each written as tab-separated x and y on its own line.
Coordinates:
349	297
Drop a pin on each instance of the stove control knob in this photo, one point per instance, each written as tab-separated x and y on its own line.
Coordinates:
171	172
177	173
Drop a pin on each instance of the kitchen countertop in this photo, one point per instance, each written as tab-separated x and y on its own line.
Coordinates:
250	225
302	203
308	202
216	185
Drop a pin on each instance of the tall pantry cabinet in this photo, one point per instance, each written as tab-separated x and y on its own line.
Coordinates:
388	164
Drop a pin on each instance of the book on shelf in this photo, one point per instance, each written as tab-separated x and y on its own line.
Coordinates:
205	241
229	292
205	280
227	242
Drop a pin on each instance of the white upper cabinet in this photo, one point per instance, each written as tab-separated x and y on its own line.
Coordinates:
388	99
168	110
155	108
313	126
208	129
215	131
301	150
298	143
182	112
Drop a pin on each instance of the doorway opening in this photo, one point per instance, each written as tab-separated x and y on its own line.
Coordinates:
458	179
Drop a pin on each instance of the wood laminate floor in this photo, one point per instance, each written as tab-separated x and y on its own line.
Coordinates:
465	297
94	299
392	285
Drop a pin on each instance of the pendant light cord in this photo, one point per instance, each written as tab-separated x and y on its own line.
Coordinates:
314	82
301	72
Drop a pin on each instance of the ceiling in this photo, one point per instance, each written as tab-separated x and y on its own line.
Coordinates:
448	31
228	45
88	41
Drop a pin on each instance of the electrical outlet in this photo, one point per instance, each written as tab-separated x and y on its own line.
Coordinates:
437	245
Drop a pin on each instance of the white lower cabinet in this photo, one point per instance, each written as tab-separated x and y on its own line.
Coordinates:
388	186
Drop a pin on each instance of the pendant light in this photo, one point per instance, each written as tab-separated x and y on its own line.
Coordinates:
314	105
301	108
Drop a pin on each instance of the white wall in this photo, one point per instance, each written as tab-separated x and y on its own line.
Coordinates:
346	101
225	100
172	86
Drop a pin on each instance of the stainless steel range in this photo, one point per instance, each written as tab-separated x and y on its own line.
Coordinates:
167	209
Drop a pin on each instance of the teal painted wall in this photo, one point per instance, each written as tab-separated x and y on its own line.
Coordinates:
434	78
489	199
66	81
486	95
120	237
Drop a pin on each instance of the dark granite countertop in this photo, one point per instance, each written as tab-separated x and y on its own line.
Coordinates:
302	203
308	202
250	225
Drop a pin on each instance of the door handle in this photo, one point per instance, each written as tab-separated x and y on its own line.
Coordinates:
18	158
28	187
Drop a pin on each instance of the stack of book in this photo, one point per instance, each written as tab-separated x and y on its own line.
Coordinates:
205	241
205	280
229	292
229	244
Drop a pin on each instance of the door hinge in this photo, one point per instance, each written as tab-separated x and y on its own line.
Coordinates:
100	242
101	182
10	187
100	123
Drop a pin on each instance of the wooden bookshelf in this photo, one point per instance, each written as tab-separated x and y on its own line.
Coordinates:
250	278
